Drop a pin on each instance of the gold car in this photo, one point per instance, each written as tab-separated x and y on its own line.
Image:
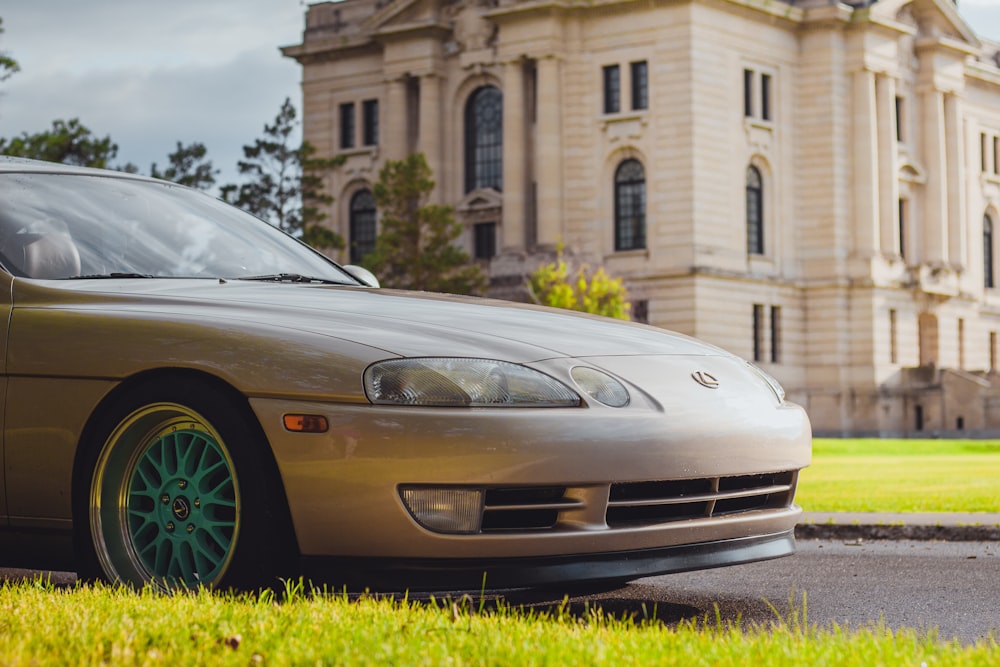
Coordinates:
193	397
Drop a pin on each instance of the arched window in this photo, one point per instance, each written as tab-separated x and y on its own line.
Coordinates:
362	225
630	206
988	276
484	139
755	211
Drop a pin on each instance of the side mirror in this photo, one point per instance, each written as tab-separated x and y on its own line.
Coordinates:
363	275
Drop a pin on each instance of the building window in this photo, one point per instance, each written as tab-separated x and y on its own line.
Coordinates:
988	271
899	118
918	417
485	240
758	104
347	125
630	206
765	96
612	89
369	121
755	211
996	155
984	165
758	332
993	350
640	311
748	93
902	229
484	139
362	225
893	350
640	85
775	334
961	344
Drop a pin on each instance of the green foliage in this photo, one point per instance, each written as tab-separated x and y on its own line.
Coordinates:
67	142
416	246
285	183
8	66
554	284
887	475
103	625
188	166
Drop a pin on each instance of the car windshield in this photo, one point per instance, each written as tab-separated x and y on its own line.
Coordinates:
64	226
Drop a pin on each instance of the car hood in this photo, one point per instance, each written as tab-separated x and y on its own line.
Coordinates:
398	322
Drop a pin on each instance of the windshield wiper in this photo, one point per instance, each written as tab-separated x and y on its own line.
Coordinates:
293	278
112	275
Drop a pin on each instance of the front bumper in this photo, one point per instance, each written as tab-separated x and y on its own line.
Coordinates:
343	486
421	574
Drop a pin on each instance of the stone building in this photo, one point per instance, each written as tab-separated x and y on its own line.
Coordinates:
811	184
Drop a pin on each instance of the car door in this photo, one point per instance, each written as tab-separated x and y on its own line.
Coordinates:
5	304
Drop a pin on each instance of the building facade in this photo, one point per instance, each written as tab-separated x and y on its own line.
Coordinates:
811	184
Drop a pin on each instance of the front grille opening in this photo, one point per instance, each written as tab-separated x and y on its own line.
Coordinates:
516	509
742	482
524	496
665	489
621	517
515	520
634	504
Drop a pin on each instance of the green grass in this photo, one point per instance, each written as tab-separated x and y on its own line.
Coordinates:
96	625
881	475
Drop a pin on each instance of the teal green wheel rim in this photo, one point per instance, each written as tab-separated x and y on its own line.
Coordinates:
165	502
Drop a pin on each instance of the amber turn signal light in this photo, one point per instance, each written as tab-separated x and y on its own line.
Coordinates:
306	423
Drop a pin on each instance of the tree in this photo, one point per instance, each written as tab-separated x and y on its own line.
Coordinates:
590	292
416	247
8	66
285	186
67	142
188	166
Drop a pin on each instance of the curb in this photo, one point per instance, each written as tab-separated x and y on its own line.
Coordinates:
942	527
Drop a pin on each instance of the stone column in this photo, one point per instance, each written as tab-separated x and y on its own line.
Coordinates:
394	123
888	168
954	147
548	154
935	210
429	132
866	166
515	120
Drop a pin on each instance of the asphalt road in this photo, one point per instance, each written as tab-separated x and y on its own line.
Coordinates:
951	586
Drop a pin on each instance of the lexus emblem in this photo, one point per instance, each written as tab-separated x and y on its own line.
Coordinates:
705	379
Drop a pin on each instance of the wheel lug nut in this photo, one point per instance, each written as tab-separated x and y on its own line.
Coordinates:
197	502
170	526
165	499
190	528
183	484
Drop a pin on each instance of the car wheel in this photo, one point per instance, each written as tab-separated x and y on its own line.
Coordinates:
179	495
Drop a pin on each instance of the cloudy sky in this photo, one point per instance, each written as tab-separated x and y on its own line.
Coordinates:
151	73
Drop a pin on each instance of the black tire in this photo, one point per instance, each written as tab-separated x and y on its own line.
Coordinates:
176	487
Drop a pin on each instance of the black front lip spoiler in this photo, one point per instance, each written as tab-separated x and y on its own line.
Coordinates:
462	574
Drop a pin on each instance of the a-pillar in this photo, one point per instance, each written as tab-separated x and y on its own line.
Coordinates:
888	179
515	169
548	148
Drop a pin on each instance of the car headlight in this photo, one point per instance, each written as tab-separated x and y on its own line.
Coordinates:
600	386
769	380
458	382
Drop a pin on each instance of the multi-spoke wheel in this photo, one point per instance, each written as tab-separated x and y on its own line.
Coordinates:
168	498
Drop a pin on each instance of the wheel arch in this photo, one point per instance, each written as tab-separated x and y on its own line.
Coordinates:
90	440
